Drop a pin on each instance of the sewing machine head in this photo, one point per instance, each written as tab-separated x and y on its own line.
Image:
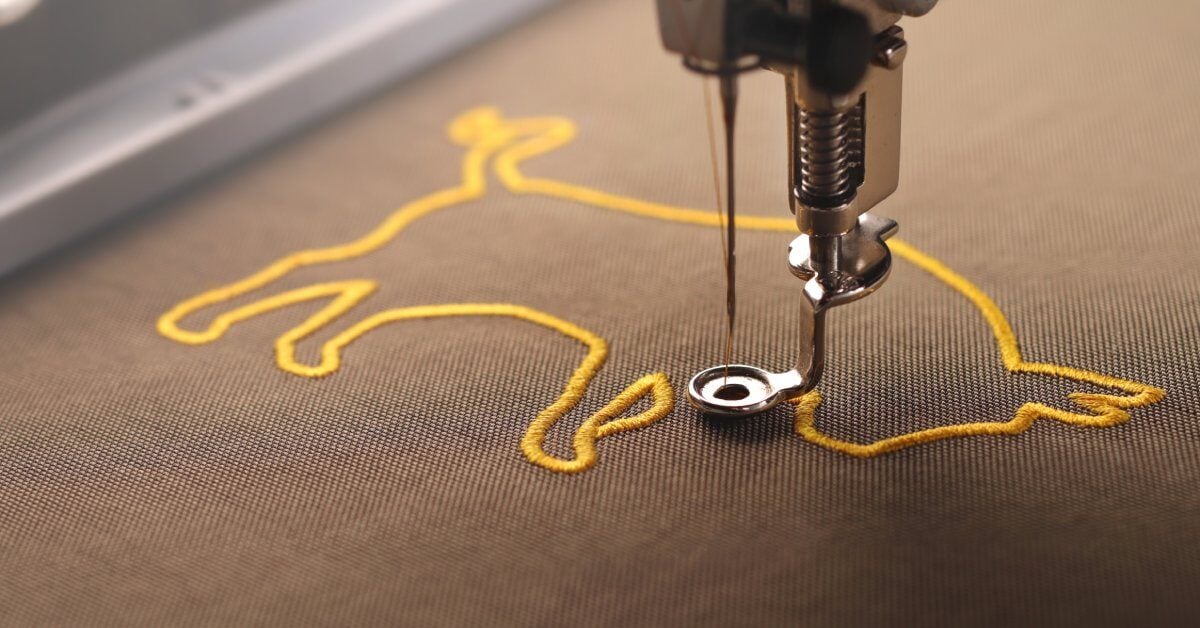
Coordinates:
842	63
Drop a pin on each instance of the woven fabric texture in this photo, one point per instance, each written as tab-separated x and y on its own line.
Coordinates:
1050	158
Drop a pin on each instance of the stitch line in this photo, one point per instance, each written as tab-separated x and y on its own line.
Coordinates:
345	295
508	143
1108	409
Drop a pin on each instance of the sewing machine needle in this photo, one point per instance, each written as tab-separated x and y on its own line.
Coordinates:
729	95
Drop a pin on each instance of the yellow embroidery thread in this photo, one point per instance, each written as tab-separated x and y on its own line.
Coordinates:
510	142
1108	409
344	295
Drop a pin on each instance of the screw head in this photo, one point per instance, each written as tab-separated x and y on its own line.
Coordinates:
891	53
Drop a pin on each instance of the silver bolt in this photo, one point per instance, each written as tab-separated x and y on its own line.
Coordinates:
891	53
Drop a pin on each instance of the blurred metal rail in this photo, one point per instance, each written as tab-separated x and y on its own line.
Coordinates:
180	115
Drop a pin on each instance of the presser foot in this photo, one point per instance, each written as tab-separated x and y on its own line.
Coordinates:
836	270
741	390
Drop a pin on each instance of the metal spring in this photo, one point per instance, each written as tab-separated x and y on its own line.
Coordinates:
828	151
856	137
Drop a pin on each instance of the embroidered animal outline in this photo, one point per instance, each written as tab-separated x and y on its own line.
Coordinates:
505	143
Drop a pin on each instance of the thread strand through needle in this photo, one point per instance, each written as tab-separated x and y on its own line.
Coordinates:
729	96
723	220
725	223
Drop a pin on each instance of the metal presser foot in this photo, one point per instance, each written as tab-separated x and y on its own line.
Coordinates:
842	62
836	270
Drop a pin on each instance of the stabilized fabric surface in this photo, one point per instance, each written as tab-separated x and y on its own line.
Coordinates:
426	364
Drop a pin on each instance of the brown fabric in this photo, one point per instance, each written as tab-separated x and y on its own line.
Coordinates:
1050	157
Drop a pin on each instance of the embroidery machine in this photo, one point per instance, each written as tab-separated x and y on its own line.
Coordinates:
842	63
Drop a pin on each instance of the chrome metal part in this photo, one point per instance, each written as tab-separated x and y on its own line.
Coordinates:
826	154
843	159
836	270
739	389
868	138
891	48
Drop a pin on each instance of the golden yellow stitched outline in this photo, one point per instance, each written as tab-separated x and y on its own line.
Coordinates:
1107	409
483	141
511	142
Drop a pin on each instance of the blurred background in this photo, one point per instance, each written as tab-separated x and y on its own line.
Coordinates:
52	49
109	104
